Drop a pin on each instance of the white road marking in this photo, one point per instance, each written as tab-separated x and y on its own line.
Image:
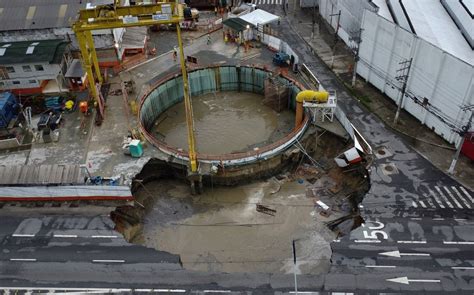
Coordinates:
406	281
460	196
414	204
23	259
458	243
105	290
109	260
397	253
415	218
23	235
105	237
463	267
467	194
422	204
336	241
218	291
452	197
305	292
432	193
411	242
367	241
438	219
444	197
170	290
460	219
381	266
65	236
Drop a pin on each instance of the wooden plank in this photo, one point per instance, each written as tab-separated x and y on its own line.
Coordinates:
81	175
2	172
46	173
59	174
52	174
8	174
65	175
29	174
24	172
35	176
16	174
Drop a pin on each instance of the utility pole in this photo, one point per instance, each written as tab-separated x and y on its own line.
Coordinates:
335	35
403	77
294	266
463	132
357	39
314	19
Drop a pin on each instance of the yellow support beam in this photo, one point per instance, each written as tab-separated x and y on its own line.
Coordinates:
188	106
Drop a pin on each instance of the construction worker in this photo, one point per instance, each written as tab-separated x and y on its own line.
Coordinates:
175	53
209	39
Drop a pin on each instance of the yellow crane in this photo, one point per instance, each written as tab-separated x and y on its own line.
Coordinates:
115	16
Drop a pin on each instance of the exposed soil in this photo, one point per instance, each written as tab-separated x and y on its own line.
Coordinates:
222	230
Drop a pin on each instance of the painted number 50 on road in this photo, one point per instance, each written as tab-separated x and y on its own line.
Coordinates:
375	231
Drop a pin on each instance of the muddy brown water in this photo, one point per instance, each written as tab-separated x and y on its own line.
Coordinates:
225	122
221	230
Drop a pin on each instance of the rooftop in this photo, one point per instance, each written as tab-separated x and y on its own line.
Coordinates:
40	14
432	21
50	51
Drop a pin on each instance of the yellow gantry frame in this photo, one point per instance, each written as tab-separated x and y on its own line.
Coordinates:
115	16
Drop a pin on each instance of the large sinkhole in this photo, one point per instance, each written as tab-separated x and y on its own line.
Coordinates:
245	125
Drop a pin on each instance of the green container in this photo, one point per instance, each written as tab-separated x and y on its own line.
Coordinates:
136	148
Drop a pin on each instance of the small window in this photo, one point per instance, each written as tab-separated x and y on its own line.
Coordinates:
26	69
10	69
2	84
39	68
32	81
16	82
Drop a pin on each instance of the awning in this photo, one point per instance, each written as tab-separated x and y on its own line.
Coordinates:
237	24
53	87
259	17
75	70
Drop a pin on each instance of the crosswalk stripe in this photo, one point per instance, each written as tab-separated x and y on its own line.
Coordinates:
422	204
452	197
467	194
414	204
429	200
461	197
436	199
444	197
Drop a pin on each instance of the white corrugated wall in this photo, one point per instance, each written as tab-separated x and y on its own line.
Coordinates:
444	80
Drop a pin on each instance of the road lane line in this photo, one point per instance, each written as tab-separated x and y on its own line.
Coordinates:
432	193
23	259
463	267
438	219
452	197
460	219
416	218
467	194
381	266
336	241
65	236
458	243
411	242
109	260
23	235
367	241
104	237
444	197
170	290
218	291
461	197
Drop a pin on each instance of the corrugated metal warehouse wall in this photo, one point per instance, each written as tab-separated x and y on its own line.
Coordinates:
443	82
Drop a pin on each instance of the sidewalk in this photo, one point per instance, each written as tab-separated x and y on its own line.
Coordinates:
418	136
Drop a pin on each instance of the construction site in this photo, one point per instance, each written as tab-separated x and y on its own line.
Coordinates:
218	152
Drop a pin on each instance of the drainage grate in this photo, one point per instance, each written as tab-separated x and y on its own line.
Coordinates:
382	152
389	169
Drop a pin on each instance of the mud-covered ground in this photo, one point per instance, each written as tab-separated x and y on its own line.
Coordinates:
222	230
